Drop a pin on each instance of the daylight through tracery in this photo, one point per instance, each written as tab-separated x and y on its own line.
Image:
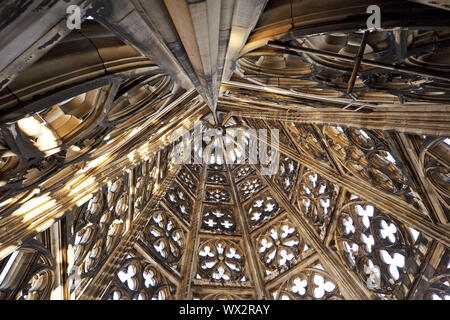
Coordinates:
224	150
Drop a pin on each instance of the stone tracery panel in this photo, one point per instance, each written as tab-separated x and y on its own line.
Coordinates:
242	172
165	162
283	136
312	283
287	174
98	227
216	167
261	209
217	194
438	287
179	201
145	182
249	186
139	280
385	253
28	273
187	180
435	163
316	199
279	247
221	260
366	155
308	142
219	219
216	177
196	169
165	238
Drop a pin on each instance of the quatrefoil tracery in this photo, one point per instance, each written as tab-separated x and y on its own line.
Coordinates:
145	181
242	172
144	191
287	174
216	177
438	287
433	155
308	141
